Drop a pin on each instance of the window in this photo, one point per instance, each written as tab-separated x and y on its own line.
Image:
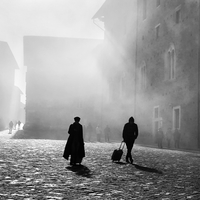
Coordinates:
157	3
177	117
143	76
157	31
171	62
144	9
178	15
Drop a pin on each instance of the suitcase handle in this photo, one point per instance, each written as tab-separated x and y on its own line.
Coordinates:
121	147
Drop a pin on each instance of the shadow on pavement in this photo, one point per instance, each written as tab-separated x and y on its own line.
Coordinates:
147	169
80	170
120	163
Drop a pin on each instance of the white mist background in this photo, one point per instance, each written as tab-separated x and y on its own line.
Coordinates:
57	18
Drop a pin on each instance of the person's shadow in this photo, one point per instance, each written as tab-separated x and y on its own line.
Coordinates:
120	163
80	170
147	169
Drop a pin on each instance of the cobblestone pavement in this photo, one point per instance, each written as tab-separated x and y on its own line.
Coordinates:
35	169
5	135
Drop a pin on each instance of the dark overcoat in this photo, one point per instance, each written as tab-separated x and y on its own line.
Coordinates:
75	142
130	132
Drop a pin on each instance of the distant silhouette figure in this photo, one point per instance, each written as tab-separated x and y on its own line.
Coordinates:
130	134
75	143
89	131
160	137
98	133
19	124
14	125
107	134
177	136
168	137
10	127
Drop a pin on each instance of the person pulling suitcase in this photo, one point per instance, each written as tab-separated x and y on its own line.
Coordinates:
117	153
130	134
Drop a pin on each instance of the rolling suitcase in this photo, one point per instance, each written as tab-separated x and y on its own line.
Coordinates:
117	153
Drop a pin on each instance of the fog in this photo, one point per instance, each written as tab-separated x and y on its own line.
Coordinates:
56	19
65	79
63	69
63	18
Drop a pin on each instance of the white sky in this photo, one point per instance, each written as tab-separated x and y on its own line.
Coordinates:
60	18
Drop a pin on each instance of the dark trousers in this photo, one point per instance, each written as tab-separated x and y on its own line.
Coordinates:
129	145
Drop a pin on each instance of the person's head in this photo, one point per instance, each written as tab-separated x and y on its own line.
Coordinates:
131	120
77	119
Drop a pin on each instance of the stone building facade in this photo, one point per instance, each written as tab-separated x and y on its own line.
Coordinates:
9	93
168	68
117	58
160	44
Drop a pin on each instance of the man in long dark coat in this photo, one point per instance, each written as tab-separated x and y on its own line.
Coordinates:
130	134
75	143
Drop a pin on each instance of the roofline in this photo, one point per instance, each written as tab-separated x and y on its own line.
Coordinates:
97	14
54	37
6	43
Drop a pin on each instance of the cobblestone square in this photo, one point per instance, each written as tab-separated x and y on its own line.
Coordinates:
35	169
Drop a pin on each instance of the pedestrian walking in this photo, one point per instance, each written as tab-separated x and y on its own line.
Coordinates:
19	124
168	136
160	137
177	136
130	134
98	133
75	143
14	125
107	133
89	131
10	127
